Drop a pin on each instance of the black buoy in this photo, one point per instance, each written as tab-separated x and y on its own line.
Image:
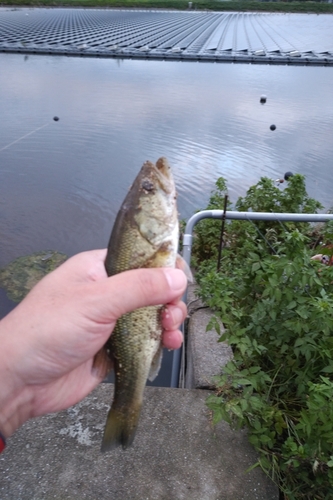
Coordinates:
272	127
263	99
56	118
287	175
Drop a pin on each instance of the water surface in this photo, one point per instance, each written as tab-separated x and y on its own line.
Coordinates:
62	182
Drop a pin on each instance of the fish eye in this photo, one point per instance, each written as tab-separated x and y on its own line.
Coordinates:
147	185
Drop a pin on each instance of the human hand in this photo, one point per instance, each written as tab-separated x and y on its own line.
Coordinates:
50	339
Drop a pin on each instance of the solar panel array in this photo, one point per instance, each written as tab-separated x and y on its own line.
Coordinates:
182	35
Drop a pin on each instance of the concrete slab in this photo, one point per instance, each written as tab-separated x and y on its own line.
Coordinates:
176	455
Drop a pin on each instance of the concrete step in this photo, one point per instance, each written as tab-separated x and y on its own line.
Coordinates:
177	454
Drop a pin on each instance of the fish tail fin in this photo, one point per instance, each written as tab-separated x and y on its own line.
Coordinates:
120	428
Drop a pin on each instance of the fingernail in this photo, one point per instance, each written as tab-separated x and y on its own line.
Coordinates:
176	279
177	316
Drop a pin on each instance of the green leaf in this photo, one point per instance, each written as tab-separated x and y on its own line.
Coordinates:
328	369
299	342
272	314
257	464
255	266
265	439
254	256
254	369
237	411
273	281
243	381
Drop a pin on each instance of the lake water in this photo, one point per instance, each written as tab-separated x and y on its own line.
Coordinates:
62	182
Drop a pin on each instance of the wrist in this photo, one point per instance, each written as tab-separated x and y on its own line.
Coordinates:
2	443
15	410
15	397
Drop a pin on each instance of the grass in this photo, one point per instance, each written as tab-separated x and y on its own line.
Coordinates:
213	5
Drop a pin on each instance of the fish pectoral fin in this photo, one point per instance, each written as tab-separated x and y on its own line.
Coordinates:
183	265
155	364
102	364
120	428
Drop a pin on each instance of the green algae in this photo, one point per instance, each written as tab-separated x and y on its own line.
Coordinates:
20	275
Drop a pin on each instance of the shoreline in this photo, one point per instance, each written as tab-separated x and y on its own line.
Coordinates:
297	7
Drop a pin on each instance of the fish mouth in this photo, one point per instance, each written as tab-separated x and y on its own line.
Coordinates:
164	175
157	176
163	166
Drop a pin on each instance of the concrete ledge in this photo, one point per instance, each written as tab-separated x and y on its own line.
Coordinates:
177	454
205	355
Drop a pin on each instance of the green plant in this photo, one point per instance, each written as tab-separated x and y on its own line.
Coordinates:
277	307
214	5
207	234
242	237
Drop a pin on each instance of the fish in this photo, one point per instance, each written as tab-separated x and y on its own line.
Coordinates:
145	235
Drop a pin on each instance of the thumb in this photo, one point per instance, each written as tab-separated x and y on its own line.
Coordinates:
130	290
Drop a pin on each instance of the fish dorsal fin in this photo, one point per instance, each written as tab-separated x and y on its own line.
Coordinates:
183	265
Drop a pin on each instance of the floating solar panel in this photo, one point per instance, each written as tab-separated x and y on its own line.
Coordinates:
185	35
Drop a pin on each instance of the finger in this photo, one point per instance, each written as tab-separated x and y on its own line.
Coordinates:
173	315
139	288
172	339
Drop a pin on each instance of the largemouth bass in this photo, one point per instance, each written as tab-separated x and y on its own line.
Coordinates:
145	234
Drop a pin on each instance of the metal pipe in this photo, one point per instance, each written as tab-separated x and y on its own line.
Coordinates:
222	233
218	214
